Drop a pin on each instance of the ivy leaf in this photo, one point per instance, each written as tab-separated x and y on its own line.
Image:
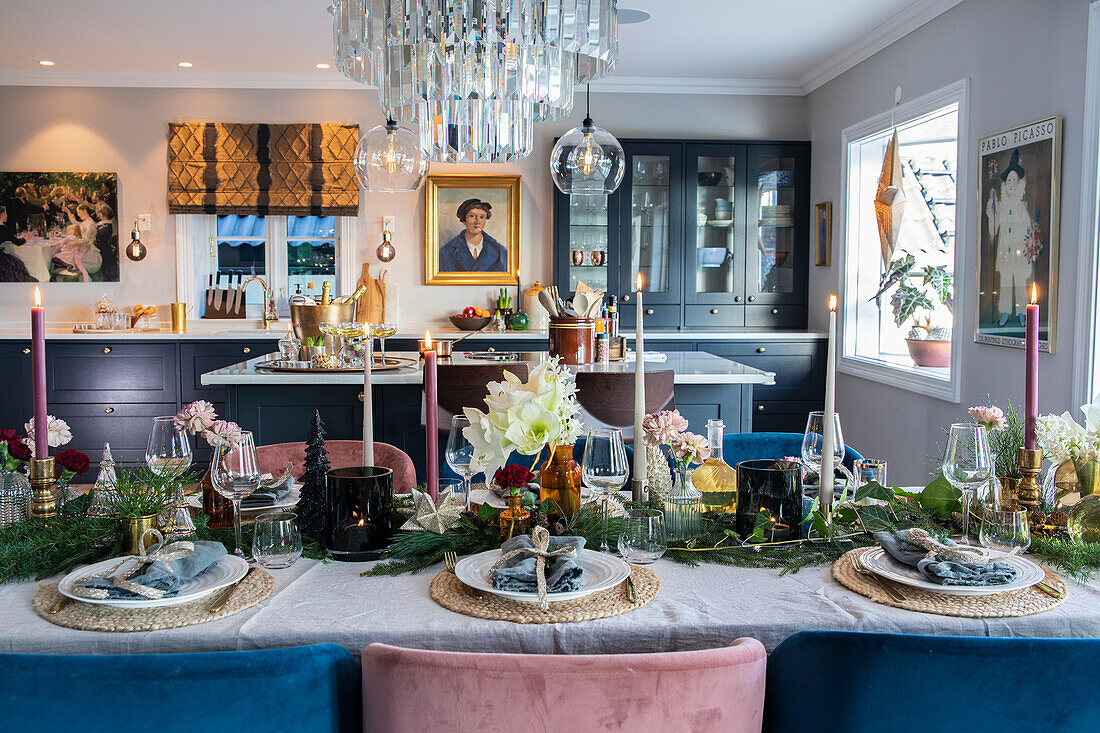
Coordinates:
940	280
874	490
487	513
899	268
908	300
763	523
941	497
874	518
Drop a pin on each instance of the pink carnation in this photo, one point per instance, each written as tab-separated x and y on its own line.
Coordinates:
663	427
57	432
691	448
992	417
223	434
196	417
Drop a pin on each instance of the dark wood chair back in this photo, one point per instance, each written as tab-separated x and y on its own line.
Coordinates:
465	385
607	398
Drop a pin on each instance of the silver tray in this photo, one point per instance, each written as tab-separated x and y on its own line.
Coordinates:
493	355
278	365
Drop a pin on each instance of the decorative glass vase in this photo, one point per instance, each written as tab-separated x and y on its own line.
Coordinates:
683	508
1077	495
15	498
214	505
560	480
775	487
658	474
515	520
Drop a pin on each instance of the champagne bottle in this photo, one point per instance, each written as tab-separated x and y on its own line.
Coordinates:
715	479
326	293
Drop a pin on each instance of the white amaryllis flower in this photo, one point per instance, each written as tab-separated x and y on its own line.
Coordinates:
1092	416
1062	439
57	432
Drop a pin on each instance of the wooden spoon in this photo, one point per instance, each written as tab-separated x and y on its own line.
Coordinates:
547	302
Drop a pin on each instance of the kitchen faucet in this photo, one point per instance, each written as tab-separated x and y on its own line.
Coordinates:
269	315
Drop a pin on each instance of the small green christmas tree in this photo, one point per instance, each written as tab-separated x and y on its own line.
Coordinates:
311	504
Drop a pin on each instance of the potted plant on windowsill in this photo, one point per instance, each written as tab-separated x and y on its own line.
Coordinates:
915	293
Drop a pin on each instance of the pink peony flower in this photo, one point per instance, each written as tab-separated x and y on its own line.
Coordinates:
992	417
663	427
223	433
196	417
57	432
691	448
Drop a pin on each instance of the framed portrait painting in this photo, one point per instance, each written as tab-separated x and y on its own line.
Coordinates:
1018	189
471	230
823	233
58	227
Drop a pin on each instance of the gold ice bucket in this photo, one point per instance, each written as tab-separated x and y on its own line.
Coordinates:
307	319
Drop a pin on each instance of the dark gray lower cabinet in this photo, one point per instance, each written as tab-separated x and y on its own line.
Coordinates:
15	394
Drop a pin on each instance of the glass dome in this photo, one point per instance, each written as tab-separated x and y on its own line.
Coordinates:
388	159
587	160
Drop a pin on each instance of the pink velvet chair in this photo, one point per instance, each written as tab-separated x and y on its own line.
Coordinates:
413	690
341	454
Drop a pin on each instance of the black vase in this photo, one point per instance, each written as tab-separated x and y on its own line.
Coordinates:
359	515
769	484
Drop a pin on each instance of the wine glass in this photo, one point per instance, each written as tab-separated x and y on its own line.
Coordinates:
967	464
381	331
604	468
460	453
235	474
813	440
643	539
168	453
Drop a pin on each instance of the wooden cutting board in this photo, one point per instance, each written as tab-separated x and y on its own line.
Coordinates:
372	304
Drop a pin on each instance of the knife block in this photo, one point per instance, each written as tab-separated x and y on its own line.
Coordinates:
223	311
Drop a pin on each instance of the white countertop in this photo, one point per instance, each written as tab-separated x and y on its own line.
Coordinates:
691	367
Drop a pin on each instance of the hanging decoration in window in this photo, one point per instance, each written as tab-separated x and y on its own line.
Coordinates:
889	200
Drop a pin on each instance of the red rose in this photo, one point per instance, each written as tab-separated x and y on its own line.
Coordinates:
511	477
18	449
6	434
72	460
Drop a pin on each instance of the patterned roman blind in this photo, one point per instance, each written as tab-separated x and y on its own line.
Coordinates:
234	168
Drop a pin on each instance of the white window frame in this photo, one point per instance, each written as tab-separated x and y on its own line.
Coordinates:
1086	360
913	379
196	255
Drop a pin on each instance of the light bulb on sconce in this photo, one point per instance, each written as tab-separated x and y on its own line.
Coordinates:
386	250
136	250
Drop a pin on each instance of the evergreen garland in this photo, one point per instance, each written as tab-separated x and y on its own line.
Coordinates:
311	502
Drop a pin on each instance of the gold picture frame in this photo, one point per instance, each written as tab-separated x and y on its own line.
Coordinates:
446	260
823	234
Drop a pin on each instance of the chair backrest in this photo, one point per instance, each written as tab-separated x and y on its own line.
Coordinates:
607	398
737	447
341	454
701	691
465	385
305	689
861	682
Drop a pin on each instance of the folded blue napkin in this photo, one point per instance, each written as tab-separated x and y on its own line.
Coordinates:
563	574
165	576
941	570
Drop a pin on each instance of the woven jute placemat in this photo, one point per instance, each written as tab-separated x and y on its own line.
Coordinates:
1013	603
93	617
450	592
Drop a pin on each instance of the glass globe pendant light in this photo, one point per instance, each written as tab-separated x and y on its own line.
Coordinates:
388	159
587	160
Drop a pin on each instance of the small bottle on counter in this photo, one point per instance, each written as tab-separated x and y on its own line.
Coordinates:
603	348
612	327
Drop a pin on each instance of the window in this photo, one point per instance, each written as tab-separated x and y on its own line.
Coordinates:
898	317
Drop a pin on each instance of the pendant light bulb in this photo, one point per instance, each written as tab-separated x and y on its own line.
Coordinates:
386	251
390	156
388	159
135	250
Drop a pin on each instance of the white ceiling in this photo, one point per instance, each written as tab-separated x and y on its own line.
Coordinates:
704	46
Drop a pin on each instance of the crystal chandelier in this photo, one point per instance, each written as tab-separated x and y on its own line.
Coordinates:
475	75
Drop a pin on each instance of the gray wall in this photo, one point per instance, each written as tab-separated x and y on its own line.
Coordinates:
125	130
1025	60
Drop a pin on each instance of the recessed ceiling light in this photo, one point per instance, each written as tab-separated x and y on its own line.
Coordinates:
629	16
45	62
185	64
322	66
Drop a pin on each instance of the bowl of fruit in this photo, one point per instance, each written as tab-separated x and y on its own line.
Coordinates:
471	318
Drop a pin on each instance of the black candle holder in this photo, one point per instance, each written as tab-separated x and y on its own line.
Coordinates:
359	516
769	484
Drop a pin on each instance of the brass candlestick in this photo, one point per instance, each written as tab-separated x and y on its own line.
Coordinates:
1027	493
43	501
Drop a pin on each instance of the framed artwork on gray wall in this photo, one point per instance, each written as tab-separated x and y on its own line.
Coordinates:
58	227
1019	174
823	234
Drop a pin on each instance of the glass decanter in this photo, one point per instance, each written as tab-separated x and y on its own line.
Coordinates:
683	508
715	479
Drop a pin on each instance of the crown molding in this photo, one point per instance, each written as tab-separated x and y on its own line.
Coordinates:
893	29
695	85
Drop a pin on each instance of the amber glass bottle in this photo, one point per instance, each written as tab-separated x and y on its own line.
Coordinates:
214	505
560	480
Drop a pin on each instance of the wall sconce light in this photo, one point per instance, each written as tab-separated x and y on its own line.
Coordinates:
136	250
386	250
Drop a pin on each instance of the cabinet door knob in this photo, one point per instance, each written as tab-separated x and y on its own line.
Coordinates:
759	408
246	350
26	351
775	311
649	311
714	311
760	349
752	298
626	298
108	410
360	396
106	349
737	299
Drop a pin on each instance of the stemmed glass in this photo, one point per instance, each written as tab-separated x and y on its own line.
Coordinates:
168	453
967	464
381	331
460	453
604	468
813	441
235	474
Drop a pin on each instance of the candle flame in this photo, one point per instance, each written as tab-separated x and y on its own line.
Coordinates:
638	280
37	297
1034	293
832	302
428	340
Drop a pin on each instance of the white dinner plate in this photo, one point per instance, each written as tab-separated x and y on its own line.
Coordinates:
601	571
880	562
290	500
226	571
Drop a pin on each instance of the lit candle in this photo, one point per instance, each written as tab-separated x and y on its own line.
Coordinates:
1031	386
368	403
639	486
38	370
829	437
431	411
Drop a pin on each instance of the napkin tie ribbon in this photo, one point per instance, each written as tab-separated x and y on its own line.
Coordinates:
540	537
936	549
120	574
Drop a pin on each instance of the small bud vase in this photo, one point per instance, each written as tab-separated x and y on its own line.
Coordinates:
683	509
515	520
15	498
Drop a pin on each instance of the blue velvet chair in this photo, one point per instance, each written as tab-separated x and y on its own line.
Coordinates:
306	689
737	447
863	683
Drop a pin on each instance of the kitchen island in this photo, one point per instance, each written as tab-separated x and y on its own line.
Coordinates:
278	406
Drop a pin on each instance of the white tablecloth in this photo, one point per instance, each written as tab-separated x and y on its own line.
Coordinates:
701	607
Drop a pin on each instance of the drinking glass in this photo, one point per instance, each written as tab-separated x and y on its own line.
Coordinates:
1005	530
604	468
381	331
967	464
235	474
456	486
168	453
642	540
460	452
870	469
276	541
813	439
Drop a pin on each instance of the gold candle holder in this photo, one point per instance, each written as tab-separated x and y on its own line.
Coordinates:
43	501
1027	492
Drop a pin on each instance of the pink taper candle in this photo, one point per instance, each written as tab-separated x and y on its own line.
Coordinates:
1031	386
38	367
431	416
